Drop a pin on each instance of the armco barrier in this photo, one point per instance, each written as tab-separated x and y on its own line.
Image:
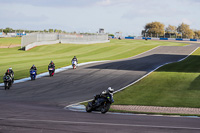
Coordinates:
163	38
148	38
193	39
129	37
155	38
32	45
186	39
179	39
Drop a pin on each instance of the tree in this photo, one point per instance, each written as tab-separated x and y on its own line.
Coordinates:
171	29
55	30
111	35
185	30
155	28
59	31
51	30
197	34
7	30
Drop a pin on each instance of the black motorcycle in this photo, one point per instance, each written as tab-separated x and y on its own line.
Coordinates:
51	71
7	82
100	103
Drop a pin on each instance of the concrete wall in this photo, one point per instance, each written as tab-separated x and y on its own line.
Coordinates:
32	45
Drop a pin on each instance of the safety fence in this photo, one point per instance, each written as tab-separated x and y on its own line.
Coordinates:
83	39
37	39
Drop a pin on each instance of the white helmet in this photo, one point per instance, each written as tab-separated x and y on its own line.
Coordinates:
10	68
110	90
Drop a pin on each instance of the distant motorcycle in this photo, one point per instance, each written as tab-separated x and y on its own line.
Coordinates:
74	64
51	71
7	81
101	104
33	74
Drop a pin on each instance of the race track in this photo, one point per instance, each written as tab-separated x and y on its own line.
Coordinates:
37	106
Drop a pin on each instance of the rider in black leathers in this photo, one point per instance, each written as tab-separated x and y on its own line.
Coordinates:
51	65
75	59
10	72
34	68
98	99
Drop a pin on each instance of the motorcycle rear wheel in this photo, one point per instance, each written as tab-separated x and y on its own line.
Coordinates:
105	108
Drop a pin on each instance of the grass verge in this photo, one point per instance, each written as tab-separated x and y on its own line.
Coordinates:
173	85
10	41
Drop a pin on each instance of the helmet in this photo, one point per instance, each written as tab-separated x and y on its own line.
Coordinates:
10	68
33	66
74	56
110	90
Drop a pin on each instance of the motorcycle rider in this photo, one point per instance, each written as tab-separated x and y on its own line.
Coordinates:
99	98
51	65
10	73
34	68
75	59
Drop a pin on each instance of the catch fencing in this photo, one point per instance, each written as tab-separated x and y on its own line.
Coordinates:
36	39
83	39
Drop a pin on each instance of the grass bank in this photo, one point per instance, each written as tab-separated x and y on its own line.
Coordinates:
174	85
10	41
61	54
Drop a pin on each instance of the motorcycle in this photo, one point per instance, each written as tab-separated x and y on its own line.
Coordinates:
7	82
33	74
51	71
74	64
101	104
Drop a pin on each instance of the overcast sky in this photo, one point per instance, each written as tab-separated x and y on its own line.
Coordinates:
127	16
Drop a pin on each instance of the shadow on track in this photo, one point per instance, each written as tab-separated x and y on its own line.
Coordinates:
147	63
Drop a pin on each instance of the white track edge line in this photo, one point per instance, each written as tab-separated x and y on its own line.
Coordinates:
98	123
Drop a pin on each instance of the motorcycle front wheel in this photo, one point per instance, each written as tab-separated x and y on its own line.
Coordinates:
88	108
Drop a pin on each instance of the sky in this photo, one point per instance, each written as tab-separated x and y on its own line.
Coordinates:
126	16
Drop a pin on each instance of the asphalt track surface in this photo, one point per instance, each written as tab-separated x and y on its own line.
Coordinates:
37	106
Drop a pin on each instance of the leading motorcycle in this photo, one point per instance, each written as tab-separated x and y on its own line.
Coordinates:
101	103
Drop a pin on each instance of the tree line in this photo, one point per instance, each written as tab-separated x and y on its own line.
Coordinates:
10	30
157	29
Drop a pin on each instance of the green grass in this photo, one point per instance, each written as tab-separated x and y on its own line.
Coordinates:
61	54
174	85
10	41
